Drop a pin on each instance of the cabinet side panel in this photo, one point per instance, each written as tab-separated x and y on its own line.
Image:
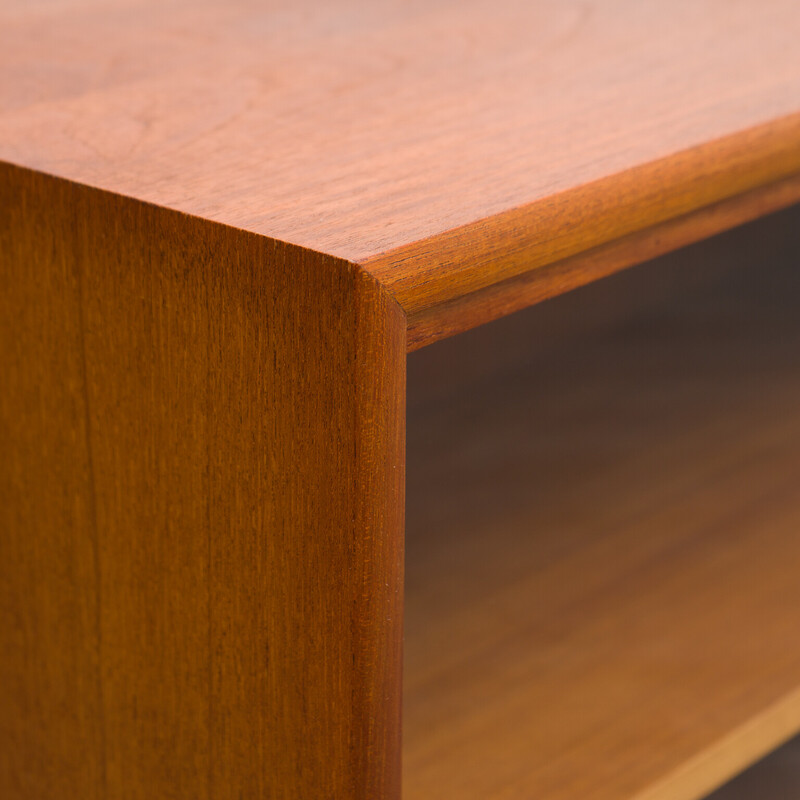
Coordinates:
306	464
145	333
239	405
51	715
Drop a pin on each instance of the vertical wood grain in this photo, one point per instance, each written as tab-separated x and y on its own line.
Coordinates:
51	712
202	500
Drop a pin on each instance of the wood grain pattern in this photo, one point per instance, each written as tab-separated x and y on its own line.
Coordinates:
201	504
445	146
222	226
602	550
591	214
778	775
430	324
497	300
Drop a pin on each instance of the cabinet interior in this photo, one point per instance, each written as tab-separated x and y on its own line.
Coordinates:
603	534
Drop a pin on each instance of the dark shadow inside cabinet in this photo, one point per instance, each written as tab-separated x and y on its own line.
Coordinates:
603	536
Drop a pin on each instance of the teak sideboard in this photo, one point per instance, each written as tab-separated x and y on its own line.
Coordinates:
223	228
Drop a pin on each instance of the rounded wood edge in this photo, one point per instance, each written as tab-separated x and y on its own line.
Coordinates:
454	264
429	325
732	754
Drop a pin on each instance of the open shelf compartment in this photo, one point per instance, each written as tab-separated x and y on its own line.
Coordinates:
603	535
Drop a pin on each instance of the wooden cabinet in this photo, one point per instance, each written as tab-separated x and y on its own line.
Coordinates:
225	228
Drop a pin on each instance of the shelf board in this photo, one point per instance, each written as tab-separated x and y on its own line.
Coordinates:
465	154
775	777
603	542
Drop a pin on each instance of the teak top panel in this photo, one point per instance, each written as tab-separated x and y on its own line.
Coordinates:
363	130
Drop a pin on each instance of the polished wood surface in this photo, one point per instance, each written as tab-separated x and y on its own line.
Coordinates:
774	778
499	299
221	227
447	147
602	549
201	507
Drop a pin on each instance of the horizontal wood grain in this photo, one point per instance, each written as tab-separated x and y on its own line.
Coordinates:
776	776
497	300
602	550
445	146
527	238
